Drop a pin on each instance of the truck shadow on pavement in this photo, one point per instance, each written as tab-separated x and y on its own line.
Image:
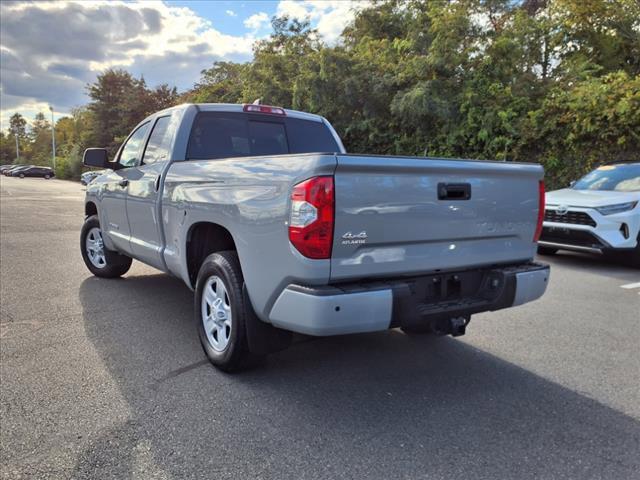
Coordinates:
379	405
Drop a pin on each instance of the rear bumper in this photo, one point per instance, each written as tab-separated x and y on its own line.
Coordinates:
373	306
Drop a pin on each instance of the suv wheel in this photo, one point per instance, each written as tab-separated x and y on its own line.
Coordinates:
220	313
100	261
635	254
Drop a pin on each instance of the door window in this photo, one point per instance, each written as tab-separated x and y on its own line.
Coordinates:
159	144
132	147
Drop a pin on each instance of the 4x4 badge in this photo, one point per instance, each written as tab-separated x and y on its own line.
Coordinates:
354	239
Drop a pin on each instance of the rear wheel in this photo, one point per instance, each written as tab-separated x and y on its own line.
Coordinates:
98	259
547	251
220	313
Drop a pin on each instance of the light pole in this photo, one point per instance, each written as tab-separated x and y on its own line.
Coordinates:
53	138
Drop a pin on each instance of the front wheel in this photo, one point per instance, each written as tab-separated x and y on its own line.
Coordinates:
98	259
22	175
220	313
47	177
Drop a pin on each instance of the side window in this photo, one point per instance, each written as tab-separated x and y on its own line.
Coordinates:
159	145
131	149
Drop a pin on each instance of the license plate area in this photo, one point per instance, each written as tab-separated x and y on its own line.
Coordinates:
559	231
448	287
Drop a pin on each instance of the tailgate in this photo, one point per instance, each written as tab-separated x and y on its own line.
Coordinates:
400	215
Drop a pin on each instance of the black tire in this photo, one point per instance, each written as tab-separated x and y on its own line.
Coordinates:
547	251
47	177
234	355
635	254
22	175
115	264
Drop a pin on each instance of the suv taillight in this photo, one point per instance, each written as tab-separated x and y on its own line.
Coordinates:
312	216
541	203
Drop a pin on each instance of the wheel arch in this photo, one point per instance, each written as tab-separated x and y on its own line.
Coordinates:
90	208
203	239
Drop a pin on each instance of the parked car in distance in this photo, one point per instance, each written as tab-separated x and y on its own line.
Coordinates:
14	168
87	177
600	213
277	229
4	168
34	171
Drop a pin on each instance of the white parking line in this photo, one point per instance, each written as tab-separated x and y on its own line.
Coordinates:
629	286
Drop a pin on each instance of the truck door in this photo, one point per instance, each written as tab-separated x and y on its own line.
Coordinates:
143	200
114	200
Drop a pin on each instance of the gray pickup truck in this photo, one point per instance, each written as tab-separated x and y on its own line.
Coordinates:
278	230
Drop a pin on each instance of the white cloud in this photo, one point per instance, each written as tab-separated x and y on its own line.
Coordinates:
294	9
49	51
231	13
330	17
257	21
29	110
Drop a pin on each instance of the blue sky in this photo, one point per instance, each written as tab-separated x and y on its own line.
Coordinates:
50	50
216	12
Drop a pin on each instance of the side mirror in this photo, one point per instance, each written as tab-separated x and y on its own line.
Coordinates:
95	157
572	183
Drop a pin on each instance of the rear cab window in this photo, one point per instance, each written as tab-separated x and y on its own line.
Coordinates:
228	134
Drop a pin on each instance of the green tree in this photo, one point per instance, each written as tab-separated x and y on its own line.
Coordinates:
17	128
222	83
118	102
279	60
40	146
7	149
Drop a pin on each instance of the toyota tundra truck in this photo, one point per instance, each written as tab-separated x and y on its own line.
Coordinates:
277	229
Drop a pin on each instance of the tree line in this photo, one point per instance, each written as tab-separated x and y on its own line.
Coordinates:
549	81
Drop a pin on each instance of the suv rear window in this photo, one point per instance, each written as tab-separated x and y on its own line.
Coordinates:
224	135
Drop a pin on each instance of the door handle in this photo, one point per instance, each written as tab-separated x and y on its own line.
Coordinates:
156	184
454	191
123	183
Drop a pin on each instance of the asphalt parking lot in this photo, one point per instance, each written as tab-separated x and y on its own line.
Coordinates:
106	378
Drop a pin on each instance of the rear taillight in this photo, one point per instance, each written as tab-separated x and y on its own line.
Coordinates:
263	109
541	203
312	215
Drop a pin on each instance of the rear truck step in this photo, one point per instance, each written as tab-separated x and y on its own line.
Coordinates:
442	301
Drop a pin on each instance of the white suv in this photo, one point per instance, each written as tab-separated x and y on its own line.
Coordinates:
600	213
